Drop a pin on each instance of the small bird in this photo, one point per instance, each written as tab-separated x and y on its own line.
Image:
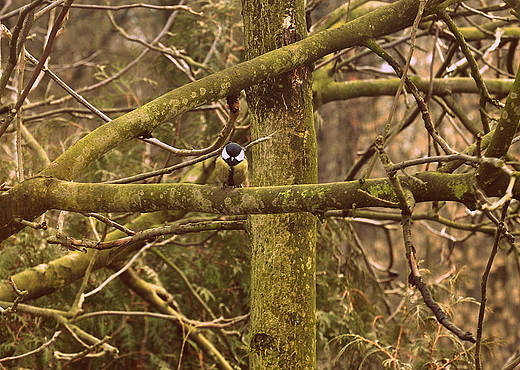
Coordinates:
231	166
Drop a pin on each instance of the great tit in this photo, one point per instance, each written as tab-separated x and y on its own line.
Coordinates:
231	166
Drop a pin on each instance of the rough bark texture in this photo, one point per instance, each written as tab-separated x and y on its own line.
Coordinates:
283	297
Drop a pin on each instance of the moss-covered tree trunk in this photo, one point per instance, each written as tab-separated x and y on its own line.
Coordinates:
283	298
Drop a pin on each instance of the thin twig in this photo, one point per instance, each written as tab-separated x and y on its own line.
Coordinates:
217	323
46	52
485	15
148	234
474	68
404	72
421	104
138	5
171	169
221	138
497	162
120	271
407	203
483	286
110	223
34	351
20	170
163	171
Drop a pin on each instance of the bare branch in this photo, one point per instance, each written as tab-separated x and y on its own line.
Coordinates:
46	52
217	323
374	46
35	351
138	5
483	286
407	204
148	234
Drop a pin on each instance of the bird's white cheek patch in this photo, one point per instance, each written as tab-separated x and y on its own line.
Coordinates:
225	154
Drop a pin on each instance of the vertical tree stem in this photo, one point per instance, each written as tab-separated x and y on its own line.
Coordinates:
283	285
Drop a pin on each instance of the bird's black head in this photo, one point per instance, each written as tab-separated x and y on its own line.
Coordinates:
233	154
233	149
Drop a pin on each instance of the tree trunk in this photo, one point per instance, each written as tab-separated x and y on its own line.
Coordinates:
283	288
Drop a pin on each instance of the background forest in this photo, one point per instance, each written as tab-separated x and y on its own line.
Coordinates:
122	55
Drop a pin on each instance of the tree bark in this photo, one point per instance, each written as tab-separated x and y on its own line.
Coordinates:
283	287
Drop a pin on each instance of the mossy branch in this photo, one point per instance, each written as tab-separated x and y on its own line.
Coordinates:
44	194
334	91
382	21
503	135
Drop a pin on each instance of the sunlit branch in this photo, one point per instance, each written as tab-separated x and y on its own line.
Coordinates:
48	8
90	342
36	311
35	225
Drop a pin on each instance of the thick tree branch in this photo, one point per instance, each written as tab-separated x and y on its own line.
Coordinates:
334	91
40	194
230	81
225	83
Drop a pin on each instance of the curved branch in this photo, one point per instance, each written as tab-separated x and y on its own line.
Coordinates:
229	82
147	292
